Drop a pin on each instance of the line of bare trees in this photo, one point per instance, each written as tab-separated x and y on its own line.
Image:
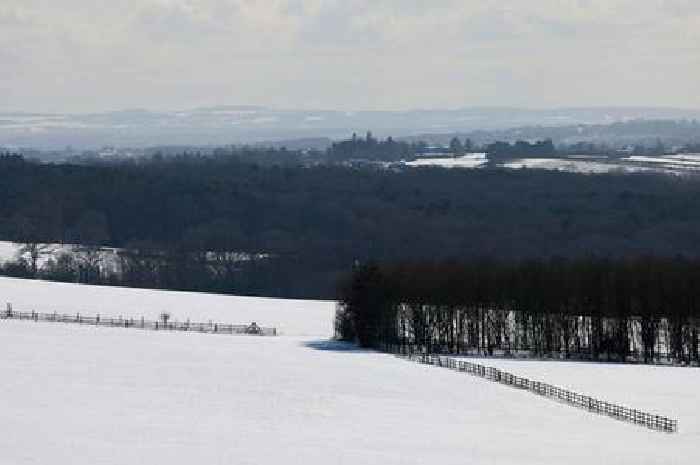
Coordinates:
643	310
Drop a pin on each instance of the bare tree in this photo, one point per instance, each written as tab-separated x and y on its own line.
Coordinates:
32	251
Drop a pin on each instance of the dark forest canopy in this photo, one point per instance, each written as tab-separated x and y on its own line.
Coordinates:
499	151
642	309
325	218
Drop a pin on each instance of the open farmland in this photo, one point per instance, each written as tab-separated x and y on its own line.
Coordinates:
87	395
291	317
670	391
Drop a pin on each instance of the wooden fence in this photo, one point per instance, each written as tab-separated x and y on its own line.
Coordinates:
140	323
618	412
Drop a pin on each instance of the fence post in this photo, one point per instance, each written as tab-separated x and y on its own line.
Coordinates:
656	422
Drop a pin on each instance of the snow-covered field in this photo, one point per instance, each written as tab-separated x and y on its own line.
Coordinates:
678	162
670	391
290	317
588	164
471	160
85	395
575	165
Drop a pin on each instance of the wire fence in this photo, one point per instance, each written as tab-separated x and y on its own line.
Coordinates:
139	323
618	412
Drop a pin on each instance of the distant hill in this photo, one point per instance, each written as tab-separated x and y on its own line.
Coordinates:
637	131
246	124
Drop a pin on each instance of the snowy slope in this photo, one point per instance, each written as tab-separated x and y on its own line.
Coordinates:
291	317
113	396
670	391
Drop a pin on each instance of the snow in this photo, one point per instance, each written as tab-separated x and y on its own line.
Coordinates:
572	165
685	156
109	256
111	396
577	163
471	160
588	157
291	317
12	251
671	161
8	251
642	387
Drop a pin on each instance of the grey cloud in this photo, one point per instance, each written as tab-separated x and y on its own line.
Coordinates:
339	22
349	54
683	8
9	17
294	8
186	21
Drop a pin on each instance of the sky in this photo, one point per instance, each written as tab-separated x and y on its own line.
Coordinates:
95	55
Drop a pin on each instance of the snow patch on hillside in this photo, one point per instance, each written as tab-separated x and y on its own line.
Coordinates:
471	160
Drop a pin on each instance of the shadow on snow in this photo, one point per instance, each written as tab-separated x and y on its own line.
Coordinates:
334	346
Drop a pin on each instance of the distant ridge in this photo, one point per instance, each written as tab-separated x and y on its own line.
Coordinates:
251	124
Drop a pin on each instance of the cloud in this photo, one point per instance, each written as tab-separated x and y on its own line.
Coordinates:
352	54
186	20
12	16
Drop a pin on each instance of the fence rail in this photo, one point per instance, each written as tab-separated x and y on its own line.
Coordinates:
618	412
139	323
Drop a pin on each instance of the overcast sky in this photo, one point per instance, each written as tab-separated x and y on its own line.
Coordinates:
89	55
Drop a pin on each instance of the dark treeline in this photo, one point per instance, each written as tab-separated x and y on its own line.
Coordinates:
312	223
500	151
632	310
638	132
390	150
262	156
220	272
371	148
367	148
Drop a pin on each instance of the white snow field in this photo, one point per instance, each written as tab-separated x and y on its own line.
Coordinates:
295	317
673	392
112	396
574	165
471	160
